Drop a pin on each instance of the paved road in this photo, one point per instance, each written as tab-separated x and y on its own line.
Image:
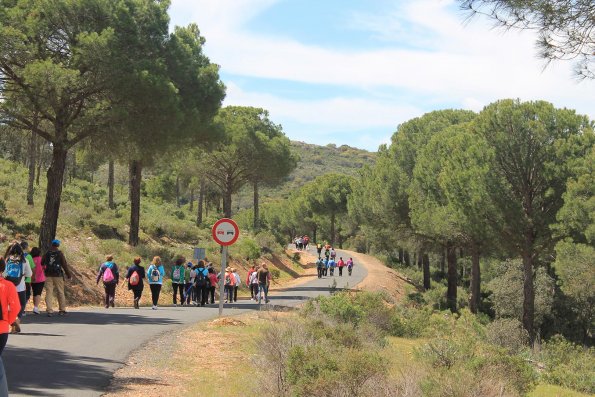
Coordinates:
76	355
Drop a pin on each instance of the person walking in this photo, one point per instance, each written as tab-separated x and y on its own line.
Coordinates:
340	265
29	258
135	276
250	271
109	274
349	266
237	284
326	266
253	284
155	278
319	249
214	281
16	269
188	285
331	265
320	267
38	279
230	282
264	281
10	305
202	284
177	280
55	268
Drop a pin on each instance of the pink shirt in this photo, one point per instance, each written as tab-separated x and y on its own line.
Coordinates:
38	274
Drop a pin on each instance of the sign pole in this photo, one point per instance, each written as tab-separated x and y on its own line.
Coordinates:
222	281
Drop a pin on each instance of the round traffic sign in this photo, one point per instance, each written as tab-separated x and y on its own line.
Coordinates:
225	231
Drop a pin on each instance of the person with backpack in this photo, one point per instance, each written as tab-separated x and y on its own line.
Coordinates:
340	265
188	286
333	254
331	265
230	282
134	276
320	267
10	306
156	273
55	268
202	284
214	281
29	258
109	274
252	283
177	280
237	284
264	281
16	269
319	249
38	278
349	266
306	241
326	266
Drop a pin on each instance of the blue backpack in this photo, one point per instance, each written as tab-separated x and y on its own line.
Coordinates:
14	270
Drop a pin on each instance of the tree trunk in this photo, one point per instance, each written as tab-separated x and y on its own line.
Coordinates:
51	208
475	288
135	173
201	198
528	295
406	258
39	160
178	191
32	163
110	184
332	228
191	199
419	260
227	198
426	270
401	255
451	291
73	166
256	208
442	262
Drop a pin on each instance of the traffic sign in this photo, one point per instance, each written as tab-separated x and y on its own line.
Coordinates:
225	232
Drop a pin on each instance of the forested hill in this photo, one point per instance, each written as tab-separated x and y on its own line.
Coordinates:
314	160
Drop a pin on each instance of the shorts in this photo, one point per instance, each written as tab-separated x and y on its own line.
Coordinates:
37	288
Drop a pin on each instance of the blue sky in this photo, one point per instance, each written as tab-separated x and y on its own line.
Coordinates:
350	71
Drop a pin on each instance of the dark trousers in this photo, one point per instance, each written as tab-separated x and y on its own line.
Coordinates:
212	292
349	270
155	291
235	293
3	340
178	287
341	271
28	291
188	292
202	294
229	293
254	291
320	272
22	301
137	293
110	293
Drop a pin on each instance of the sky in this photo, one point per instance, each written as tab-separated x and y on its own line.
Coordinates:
350	71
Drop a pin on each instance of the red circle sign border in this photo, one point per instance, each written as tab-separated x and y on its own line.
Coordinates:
235	226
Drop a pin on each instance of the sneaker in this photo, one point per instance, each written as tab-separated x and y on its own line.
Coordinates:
50	314
24	314
17	328
35	310
107	306
62	313
175	304
113	304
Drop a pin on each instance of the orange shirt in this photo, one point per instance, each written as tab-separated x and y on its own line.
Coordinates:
9	299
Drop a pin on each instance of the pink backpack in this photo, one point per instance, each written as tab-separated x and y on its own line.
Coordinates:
108	275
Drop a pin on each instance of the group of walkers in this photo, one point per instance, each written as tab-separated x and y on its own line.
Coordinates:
194	284
327	266
301	243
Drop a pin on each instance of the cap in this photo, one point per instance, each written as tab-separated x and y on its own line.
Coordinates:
56	243
189	264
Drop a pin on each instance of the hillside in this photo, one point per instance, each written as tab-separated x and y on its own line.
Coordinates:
314	160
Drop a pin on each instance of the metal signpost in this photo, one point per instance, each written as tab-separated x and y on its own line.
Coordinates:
225	232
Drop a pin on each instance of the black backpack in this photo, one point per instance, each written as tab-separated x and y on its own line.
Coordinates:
201	280
53	264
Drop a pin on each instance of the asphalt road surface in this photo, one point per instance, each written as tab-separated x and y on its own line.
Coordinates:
76	355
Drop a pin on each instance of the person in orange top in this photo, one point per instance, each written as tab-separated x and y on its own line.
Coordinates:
9	306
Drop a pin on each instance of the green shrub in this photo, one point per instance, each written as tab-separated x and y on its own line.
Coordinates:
248	248
507	333
275	273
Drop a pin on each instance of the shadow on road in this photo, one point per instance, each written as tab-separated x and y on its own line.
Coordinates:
59	371
96	318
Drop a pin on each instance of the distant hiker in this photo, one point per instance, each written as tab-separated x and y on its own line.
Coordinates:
331	265
188	285
327	252
319	249
156	272
320	267
349	265
17	268
253	283
300	243
109	274
326	266
237	284
38	279
340	265
135	275
55	267
29	258
214	279
248	283
177	279
230	282
202	284
306	242
333	253
9	305
264	281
